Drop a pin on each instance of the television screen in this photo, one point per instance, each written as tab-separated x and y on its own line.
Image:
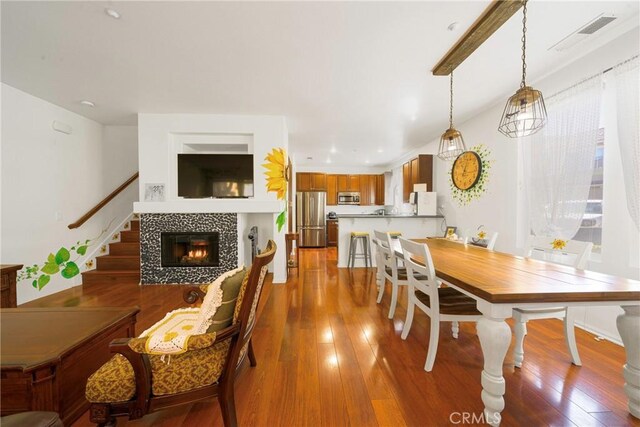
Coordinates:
215	175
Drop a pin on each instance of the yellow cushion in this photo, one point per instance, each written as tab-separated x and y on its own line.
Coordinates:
115	382
359	233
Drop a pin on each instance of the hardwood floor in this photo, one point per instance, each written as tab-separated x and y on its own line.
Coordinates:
328	356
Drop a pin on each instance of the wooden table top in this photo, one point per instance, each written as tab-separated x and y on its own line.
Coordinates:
31	337
504	278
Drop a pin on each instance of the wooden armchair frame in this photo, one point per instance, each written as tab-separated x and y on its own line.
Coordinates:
144	402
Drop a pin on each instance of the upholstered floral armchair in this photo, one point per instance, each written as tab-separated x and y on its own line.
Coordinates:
190	355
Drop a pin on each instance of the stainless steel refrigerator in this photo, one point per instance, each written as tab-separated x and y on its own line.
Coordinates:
310	219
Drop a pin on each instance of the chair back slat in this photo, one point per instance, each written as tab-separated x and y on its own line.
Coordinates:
574	253
414	253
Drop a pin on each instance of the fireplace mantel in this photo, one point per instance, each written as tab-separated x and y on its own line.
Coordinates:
209	205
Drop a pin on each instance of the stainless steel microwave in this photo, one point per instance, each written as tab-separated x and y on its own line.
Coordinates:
349	198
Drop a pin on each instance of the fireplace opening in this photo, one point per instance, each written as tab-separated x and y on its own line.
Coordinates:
190	249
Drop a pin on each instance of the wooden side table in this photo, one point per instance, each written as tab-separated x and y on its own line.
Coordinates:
289	238
8	289
47	354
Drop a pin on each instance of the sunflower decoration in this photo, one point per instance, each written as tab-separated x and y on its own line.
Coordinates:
277	179
482	234
558	244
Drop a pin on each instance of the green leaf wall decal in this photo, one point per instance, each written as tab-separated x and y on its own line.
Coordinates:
43	280
82	250
62	256
50	268
70	270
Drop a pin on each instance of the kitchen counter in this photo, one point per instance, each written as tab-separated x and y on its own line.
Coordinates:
411	227
387	216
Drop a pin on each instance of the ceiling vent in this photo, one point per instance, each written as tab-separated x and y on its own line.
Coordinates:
583	32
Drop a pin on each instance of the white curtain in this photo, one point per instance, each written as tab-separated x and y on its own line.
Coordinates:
628	113
559	160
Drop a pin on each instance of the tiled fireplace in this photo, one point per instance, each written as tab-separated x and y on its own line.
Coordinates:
187	248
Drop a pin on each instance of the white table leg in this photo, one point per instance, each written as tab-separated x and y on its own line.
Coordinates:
495	336
628	326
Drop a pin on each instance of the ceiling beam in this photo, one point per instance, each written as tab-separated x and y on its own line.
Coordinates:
496	14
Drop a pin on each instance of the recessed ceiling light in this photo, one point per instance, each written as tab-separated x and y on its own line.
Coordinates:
333	150
87	103
112	13
380	150
453	26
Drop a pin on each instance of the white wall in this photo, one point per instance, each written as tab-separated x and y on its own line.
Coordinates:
50	179
157	133
503	209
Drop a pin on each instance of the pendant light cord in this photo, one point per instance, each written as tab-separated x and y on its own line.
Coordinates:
524	43
451	100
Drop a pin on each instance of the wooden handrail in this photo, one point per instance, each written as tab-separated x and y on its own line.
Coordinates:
104	201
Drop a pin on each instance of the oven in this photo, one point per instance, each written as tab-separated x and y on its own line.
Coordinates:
349	198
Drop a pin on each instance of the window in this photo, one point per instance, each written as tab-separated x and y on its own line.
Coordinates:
591	226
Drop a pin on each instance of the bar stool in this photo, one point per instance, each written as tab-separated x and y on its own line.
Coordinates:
363	237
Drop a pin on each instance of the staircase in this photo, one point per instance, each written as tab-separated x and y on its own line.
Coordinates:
122	265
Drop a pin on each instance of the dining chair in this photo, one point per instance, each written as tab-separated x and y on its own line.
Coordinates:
392	271
570	252
440	304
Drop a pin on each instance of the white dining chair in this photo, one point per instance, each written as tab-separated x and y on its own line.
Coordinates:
391	270
488	242
379	258
574	254
440	304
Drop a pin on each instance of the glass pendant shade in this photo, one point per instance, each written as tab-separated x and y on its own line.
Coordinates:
524	114
451	144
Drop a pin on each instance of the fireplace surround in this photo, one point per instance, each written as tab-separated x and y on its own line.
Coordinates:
182	232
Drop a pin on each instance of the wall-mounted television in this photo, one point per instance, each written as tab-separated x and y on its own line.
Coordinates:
215	175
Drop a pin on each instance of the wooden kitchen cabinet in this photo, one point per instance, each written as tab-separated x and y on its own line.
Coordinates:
406	181
332	190
303	181
332	232
319	182
354	183
343	182
348	183
417	171
311	181
365	197
379	193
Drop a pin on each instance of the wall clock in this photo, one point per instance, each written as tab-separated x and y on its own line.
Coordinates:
468	182
466	170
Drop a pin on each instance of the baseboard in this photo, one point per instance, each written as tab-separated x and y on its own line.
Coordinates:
599	333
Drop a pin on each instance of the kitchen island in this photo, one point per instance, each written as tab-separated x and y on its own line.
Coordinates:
411	227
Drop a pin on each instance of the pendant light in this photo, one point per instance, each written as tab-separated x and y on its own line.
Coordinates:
525	113
451	141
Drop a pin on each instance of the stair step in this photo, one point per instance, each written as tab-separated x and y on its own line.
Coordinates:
129	236
94	277
135	225
118	262
124	248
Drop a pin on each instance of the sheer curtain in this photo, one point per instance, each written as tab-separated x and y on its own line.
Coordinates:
628	113
559	160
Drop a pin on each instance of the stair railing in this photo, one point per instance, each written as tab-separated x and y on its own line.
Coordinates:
102	203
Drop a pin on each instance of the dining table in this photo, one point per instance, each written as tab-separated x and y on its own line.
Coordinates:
500	282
